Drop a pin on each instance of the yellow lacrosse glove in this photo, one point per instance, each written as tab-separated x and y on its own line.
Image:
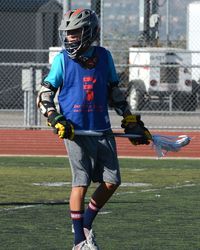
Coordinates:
133	125
63	127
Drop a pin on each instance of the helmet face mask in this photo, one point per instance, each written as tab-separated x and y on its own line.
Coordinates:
72	46
73	20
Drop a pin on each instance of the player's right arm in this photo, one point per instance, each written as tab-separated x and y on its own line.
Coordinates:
45	100
50	85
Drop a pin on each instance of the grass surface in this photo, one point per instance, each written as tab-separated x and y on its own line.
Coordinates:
156	207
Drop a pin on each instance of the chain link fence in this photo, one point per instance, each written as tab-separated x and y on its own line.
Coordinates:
154	44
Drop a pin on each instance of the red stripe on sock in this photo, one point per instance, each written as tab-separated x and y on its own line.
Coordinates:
92	206
77	215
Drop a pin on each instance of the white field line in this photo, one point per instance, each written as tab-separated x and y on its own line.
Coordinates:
115	194
18	207
155	190
60	184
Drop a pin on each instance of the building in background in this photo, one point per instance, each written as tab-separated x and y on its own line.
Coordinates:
24	25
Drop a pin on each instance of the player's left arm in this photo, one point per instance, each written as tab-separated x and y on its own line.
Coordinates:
131	123
116	97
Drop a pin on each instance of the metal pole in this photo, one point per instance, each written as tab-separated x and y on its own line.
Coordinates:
144	16
25	108
31	103
66	6
102	23
167	23
170	103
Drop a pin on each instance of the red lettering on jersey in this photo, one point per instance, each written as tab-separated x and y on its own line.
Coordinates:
89	95
89	79
88	86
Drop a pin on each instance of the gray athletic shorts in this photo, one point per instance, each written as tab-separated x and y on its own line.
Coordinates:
93	158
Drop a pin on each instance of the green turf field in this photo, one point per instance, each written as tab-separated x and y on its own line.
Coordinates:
157	206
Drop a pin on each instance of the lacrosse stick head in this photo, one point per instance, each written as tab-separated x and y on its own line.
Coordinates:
164	144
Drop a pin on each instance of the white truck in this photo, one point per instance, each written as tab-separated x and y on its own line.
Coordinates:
160	78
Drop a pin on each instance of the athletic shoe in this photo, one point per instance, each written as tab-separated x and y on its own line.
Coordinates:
81	246
90	237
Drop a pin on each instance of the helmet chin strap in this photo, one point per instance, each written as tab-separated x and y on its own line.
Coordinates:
87	62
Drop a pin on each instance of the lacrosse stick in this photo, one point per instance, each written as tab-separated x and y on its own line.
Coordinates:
161	143
95	133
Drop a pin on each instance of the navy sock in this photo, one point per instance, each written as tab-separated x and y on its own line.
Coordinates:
77	221
90	215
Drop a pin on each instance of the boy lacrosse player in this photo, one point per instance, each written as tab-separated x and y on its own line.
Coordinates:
86	78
